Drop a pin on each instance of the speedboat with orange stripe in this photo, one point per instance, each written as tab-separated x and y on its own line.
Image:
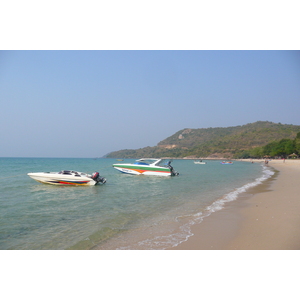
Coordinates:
67	178
147	166
226	163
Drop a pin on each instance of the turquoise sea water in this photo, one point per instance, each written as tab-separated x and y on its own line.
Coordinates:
128	212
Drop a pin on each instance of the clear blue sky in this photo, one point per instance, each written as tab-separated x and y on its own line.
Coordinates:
88	103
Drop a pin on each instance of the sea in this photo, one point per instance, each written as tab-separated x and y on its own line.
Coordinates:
129	212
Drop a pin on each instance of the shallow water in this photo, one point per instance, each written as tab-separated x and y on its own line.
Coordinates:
128	212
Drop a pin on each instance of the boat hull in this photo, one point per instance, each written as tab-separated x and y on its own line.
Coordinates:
60	179
142	170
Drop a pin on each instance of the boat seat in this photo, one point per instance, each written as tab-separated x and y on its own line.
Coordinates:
65	172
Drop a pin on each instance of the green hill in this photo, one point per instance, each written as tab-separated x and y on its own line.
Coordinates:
220	142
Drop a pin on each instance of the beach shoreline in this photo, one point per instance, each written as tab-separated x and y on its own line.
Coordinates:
266	217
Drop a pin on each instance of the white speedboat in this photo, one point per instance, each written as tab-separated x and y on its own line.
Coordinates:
67	178
226	163
199	162
147	166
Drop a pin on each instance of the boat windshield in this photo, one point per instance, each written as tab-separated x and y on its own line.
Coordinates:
148	161
65	172
151	161
163	163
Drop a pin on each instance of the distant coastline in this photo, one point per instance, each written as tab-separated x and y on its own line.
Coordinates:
222	143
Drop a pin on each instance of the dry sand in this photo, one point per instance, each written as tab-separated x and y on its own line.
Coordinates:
267	217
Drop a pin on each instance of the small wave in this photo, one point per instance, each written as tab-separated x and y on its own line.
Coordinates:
184	233
164	241
219	204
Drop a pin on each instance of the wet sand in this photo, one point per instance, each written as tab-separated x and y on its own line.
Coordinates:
267	217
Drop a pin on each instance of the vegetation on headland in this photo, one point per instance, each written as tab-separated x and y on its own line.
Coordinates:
254	140
285	148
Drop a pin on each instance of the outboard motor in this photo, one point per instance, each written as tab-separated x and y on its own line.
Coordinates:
173	172
96	177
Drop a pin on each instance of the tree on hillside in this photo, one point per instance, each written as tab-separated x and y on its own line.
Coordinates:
297	144
283	148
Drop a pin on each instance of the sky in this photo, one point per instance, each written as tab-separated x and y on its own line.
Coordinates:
89	103
132	74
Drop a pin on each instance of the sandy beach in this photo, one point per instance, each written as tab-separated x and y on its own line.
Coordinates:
267	217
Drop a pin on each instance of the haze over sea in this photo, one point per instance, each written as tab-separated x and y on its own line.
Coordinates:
128	212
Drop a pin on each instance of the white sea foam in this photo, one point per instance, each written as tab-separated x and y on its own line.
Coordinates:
185	230
219	204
